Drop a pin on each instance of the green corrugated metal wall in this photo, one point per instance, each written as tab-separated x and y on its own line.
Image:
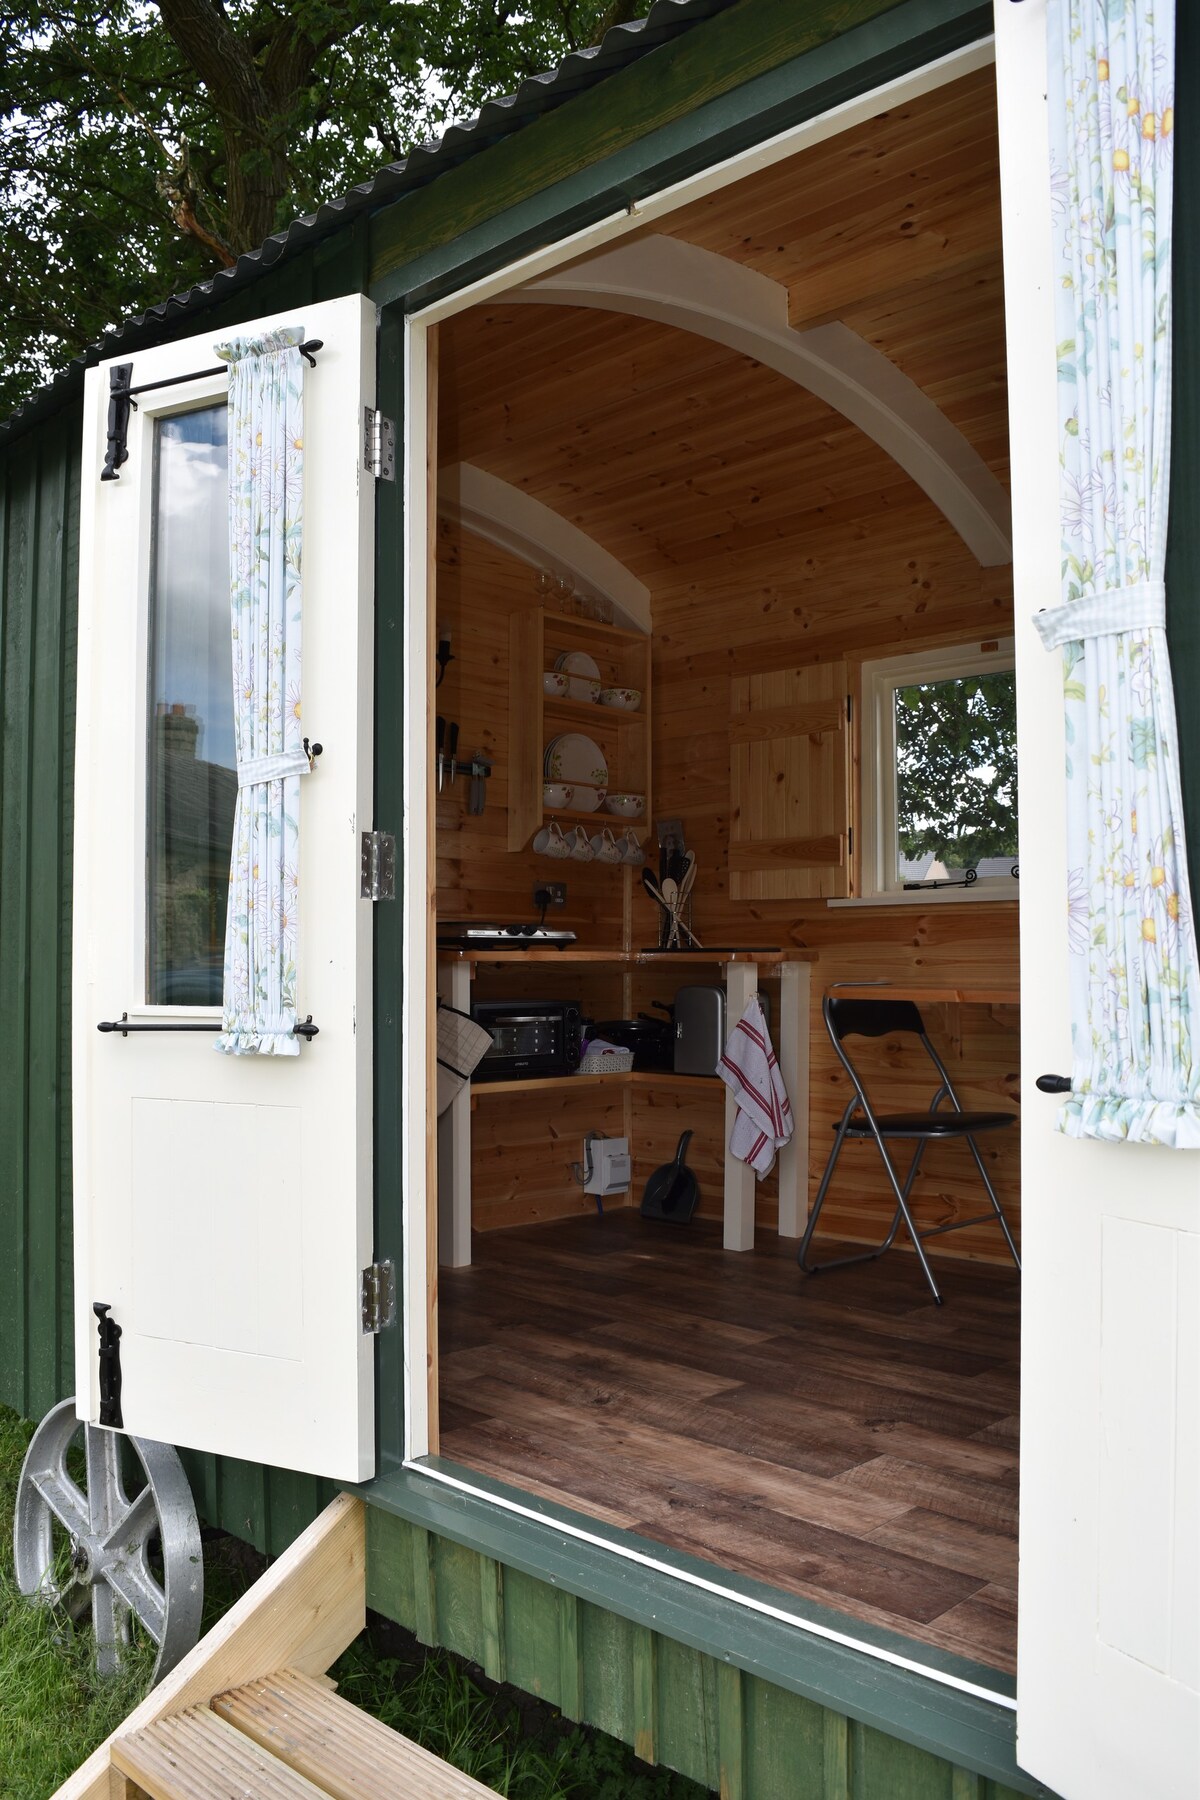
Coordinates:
39	498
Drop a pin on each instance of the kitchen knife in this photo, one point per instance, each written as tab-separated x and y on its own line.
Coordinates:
452	751
439	740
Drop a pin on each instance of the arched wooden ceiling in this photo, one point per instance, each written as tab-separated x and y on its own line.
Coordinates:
705	472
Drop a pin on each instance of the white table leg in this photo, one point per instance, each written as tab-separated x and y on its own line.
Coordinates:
794	985
454	1142
741	980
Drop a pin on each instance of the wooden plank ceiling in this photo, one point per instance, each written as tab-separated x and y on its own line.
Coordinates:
679	455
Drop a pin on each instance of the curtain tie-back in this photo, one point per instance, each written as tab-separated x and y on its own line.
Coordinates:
1141	604
257	769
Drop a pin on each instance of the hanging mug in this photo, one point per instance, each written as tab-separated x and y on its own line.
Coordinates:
605	847
550	841
578	845
631	850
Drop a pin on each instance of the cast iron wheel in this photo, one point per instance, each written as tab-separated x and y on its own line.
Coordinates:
91	1549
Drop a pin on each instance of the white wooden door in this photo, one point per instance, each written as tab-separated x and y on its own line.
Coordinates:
1108	1665
222	1203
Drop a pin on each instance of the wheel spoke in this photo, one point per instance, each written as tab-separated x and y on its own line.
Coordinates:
110	1627
106	1495
68	1504
140	1593
140	1518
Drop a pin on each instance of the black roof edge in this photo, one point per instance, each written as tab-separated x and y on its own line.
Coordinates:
496	119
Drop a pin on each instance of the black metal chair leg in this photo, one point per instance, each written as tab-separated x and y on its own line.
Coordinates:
996	1206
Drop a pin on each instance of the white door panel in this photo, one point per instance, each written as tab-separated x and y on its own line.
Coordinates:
1109	1597
223	1204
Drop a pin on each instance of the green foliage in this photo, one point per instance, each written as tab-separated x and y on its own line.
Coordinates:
956	765
145	145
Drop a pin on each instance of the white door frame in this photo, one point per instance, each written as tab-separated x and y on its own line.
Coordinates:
419	1178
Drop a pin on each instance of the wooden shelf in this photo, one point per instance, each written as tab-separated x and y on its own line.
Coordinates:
624	661
574	624
601	814
657	1078
589	712
661	958
505	958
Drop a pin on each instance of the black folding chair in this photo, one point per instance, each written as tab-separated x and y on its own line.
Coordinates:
880	1018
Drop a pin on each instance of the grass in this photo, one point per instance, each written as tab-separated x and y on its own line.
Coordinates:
54	1709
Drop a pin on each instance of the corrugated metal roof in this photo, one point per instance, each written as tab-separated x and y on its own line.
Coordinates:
496	119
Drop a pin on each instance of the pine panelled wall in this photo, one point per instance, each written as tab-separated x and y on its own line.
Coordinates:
774	537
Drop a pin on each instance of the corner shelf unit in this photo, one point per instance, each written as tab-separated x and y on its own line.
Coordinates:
536	637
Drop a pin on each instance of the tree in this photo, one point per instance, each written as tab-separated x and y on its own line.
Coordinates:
956	768
146	143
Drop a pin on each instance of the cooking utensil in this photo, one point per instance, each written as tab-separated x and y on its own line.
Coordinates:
655	892
481	768
452	747
440	742
672	1192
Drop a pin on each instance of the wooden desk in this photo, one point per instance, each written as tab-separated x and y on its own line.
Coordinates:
742	970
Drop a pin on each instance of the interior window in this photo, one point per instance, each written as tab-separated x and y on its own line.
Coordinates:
940	771
192	775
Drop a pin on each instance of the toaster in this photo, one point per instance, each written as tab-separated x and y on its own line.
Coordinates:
700	1030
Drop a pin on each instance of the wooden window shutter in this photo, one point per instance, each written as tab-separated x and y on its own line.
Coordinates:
789	779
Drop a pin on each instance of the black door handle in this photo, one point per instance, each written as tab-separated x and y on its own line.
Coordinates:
1054	1084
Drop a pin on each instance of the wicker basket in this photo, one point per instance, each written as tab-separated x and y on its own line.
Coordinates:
606	1062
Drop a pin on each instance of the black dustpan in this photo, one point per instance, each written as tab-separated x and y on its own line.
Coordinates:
672	1191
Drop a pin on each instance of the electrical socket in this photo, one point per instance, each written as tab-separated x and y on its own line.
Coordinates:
550	893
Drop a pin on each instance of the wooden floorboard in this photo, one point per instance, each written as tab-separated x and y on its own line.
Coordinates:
841	1438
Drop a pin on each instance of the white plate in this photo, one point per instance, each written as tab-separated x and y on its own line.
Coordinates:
574	758
578	662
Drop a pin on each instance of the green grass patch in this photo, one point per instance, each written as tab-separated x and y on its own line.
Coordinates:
55	1710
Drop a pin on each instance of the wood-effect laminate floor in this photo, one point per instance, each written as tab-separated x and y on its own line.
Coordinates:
839	1437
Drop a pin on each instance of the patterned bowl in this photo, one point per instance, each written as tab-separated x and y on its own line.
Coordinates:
556	793
626	806
621	699
555	685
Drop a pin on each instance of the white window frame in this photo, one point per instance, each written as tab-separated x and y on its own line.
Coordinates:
879	877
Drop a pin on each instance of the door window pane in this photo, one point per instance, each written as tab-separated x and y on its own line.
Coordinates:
192	764
956	777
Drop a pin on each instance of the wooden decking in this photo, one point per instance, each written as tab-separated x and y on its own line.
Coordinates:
841	1438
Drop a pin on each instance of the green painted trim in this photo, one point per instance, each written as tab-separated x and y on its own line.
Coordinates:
484	215
570	1656
966	1732
388	949
491	1613
714	56
837	1771
731	1731
645	1693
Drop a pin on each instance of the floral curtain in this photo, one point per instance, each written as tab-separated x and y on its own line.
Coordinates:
1135	982
266	506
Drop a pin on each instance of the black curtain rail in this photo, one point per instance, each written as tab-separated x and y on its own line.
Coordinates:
305	1029
121	396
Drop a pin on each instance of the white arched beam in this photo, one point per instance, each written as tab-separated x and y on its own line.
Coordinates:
513	520
676	283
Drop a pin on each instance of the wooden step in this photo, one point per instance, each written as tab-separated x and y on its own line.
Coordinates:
194	1755
349	1755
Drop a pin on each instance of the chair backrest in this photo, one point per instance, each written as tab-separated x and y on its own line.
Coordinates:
870	1018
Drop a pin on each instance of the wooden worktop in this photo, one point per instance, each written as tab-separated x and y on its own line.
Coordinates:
626	958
